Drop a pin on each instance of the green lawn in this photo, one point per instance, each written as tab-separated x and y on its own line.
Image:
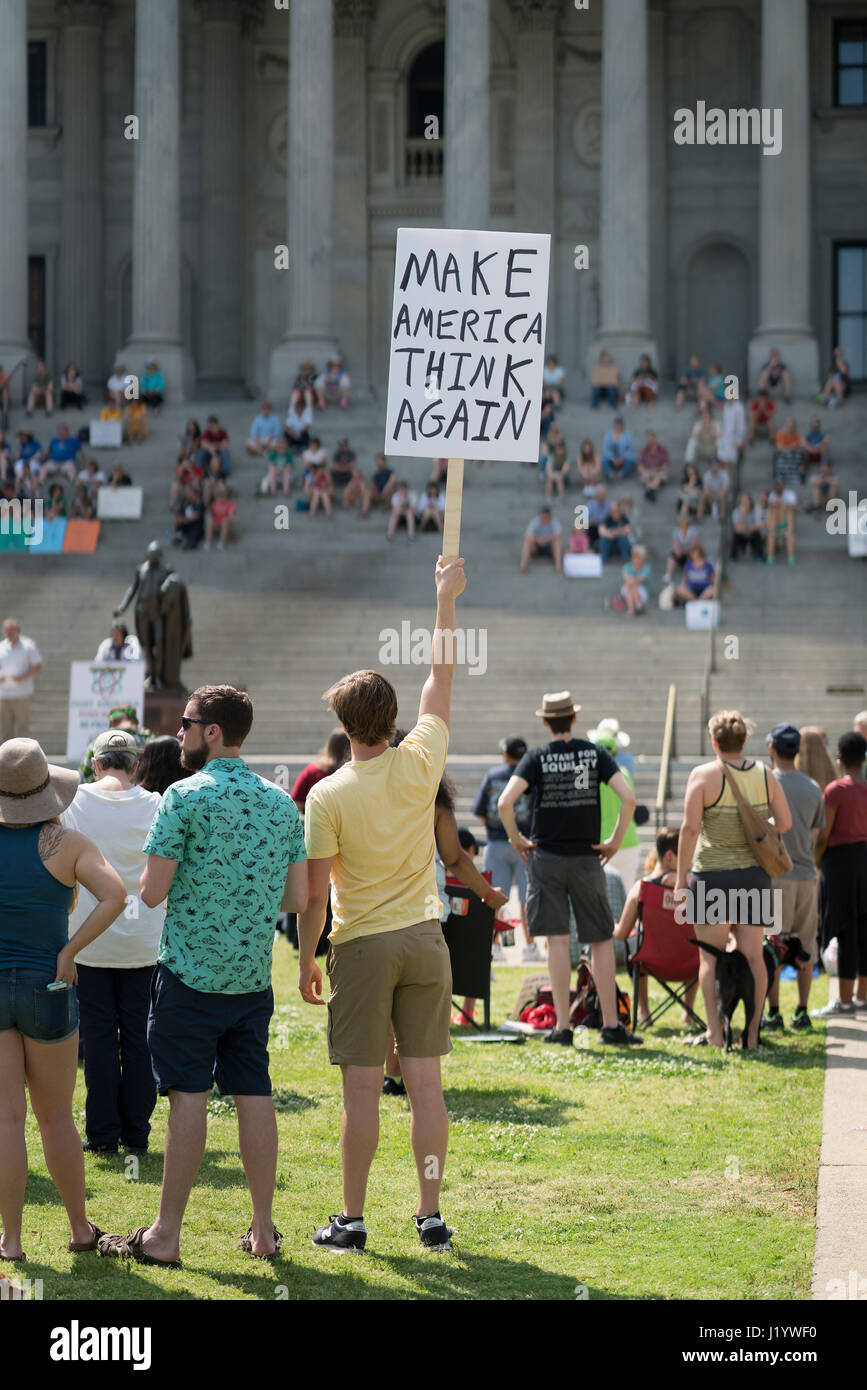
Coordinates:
659	1172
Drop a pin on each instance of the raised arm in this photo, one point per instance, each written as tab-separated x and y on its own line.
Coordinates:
436	696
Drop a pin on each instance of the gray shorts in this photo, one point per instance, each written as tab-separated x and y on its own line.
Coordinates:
506	867
555	880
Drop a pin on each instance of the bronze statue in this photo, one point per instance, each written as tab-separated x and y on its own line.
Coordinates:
162	620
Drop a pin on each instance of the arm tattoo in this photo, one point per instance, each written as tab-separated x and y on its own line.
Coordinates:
50	837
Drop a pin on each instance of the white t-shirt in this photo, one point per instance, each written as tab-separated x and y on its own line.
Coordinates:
410	500
716	482
14	661
117	823
116	382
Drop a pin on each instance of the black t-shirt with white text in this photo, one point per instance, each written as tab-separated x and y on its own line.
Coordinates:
563	777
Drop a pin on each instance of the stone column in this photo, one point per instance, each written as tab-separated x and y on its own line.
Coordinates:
220	207
624	230
784	201
14	344
156	202
467	116
536	131
351	288
310	224
82	265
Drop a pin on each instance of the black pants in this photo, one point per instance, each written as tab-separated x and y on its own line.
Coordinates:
121	1091
75	398
741	544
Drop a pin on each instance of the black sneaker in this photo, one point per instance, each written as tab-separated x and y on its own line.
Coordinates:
773	1022
393	1086
618	1036
90	1148
433	1232
801	1021
563	1036
341	1234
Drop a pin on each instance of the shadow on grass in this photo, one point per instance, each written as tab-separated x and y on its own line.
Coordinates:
510	1104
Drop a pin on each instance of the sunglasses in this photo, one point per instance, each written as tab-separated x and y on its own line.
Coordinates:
187	720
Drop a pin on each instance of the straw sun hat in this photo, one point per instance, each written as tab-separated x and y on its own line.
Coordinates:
32	789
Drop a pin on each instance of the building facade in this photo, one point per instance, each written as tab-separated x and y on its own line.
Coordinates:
218	183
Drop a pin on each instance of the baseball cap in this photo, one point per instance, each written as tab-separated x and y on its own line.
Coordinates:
114	741
785	738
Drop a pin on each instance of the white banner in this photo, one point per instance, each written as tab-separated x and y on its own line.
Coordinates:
467	344
95	687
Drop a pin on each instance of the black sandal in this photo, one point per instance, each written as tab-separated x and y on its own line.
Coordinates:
130	1248
14	1259
77	1248
246	1244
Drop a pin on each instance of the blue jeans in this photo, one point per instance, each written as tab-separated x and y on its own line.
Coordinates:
615	545
203	459
121	1091
43	1015
623	472
610	394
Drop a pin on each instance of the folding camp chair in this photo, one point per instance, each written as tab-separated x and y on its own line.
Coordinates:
469	934
664	952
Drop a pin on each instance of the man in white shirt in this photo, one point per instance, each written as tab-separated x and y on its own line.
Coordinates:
114	973
19	663
733	433
119	646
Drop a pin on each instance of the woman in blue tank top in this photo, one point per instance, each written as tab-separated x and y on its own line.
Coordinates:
40	866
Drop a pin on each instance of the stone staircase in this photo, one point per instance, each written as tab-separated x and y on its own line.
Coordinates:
286	612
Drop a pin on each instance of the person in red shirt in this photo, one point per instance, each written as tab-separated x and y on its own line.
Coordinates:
841	853
762	411
214	440
329	759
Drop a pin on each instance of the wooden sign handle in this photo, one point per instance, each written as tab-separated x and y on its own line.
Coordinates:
454	498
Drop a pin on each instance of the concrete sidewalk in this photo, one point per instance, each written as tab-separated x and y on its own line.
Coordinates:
840	1263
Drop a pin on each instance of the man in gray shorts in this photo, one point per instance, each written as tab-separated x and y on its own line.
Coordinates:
797	888
564	856
502	860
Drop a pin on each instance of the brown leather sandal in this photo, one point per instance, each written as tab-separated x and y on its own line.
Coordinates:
246	1244
80	1248
130	1248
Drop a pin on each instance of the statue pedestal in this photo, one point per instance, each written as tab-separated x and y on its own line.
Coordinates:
163	710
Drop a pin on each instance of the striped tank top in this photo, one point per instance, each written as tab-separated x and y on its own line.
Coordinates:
722	843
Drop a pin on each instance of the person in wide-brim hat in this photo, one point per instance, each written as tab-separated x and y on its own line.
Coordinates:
31	788
608	731
557	706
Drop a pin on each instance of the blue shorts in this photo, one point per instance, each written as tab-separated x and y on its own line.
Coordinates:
198	1039
506	867
43	1015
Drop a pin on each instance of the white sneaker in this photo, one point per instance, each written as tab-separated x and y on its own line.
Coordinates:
531	952
860	1005
836	1010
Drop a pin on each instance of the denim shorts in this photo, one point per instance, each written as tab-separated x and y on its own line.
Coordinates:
43	1015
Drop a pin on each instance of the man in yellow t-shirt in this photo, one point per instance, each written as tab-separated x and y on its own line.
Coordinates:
369	829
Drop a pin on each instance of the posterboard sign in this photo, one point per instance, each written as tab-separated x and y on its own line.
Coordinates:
95	687
467	344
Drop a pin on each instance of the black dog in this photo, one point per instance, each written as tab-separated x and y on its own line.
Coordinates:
733	984
734	979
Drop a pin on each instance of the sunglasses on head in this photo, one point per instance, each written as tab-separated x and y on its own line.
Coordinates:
187	720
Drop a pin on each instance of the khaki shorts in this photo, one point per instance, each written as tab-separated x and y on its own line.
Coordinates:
402	978
800	911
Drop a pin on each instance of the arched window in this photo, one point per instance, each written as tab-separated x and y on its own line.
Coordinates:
425	99
425	90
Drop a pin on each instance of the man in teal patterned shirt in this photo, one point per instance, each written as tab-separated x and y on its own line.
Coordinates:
226	850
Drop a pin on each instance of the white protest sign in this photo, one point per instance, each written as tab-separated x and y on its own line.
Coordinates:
467	344
95	687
